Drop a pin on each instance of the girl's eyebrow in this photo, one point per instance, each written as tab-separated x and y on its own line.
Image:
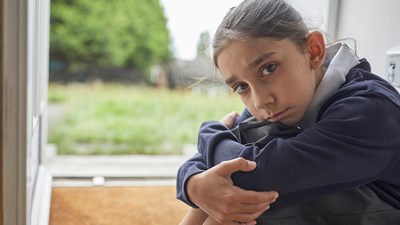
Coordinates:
251	65
259	59
230	80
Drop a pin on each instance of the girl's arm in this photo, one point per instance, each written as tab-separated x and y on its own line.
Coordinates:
196	164
198	217
194	217
351	145
223	201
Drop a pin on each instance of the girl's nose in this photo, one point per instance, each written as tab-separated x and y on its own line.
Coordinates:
262	99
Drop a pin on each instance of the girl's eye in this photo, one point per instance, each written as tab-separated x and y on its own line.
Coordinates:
268	69
240	88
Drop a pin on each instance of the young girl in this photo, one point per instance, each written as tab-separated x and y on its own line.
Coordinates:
283	73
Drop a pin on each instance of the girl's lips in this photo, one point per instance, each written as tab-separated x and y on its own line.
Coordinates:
278	116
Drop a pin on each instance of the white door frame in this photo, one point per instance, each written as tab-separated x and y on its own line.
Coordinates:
25	74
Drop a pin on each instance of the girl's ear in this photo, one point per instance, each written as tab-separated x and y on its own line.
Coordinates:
316	49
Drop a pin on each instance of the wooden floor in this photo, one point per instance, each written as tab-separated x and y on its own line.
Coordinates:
115	206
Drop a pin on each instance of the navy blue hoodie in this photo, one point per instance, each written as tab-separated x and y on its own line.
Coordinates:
355	141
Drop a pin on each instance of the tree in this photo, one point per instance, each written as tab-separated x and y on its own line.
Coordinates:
118	33
204	45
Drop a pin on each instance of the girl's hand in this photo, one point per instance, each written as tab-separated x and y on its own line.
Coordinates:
213	191
229	119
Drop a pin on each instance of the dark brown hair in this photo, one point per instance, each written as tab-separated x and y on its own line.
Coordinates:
257	19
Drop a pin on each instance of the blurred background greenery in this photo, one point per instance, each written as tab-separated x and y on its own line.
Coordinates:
118	119
108	34
121	90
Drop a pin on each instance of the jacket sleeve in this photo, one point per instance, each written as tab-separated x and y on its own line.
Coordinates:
351	145
197	164
189	168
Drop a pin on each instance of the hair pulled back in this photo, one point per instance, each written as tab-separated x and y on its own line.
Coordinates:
260	18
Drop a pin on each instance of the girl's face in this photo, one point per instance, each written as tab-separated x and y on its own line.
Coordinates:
274	79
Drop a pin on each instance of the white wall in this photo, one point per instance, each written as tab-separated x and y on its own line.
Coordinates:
375	26
314	12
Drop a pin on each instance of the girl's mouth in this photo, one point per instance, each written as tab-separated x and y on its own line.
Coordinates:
278	116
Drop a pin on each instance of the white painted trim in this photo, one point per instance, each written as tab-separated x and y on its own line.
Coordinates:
333	18
42	198
26	185
14	118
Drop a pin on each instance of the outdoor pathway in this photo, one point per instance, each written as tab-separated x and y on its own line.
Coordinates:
115	170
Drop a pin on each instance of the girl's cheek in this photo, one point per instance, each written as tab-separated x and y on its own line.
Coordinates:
247	103
253	111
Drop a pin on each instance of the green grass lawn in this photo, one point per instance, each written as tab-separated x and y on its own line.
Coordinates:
119	119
